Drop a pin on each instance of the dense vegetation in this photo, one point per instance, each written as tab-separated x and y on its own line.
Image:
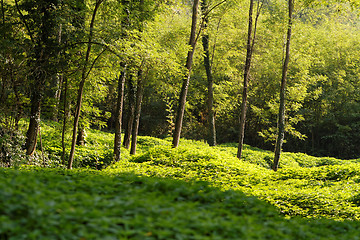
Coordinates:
192	192
87	63
80	79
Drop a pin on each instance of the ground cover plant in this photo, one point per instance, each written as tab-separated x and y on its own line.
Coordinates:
327	191
192	192
83	204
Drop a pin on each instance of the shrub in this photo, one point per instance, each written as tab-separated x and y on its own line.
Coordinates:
11	152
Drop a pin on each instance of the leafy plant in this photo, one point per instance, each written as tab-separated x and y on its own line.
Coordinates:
11	152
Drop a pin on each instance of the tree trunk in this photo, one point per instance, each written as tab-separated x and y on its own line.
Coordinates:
64	122
207	64
118	114
184	88
33	129
18	104
38	77
130	113
81	136
139	96
57	93
131	91
246	81
81	86
58	81
281	116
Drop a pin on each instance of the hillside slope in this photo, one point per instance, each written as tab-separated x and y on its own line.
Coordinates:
192	192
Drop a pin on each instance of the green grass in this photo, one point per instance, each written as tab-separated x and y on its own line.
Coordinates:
191	192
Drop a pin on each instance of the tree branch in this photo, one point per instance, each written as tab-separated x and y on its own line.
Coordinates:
205	16
259	7
92	65
95	43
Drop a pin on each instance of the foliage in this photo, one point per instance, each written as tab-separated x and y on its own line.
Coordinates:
191	192
305	186
11	152
322	115
40	203
77	204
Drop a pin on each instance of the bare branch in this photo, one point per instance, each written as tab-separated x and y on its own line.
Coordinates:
92	65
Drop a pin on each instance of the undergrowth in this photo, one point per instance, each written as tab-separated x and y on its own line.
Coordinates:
190	192
330	191
83	204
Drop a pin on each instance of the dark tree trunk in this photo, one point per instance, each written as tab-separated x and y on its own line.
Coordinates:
130	91
130	113
185	85
33	129
207	64
82	83
118	114
281	116
139	96
139	92
38	77
64	122
246	81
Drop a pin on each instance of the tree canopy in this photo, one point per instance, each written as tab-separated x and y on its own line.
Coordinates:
62	59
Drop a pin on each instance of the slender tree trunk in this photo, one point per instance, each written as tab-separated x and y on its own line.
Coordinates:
81	86
118	114
246	81
76	122
57	95
64	122
18	104
41	148
185	85
130	113
207	64
131	92
58	81
139	96
281	116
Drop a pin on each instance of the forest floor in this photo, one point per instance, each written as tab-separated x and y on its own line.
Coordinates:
192	192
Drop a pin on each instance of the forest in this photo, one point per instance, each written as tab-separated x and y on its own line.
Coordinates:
243	111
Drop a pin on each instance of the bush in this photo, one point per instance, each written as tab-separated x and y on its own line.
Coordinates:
94	159
11	152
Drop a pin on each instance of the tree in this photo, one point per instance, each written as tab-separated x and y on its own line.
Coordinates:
281	115
14	49
120	98
85	72
137	110
207	63
249	52
118	114
130	112
41	31
184	88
